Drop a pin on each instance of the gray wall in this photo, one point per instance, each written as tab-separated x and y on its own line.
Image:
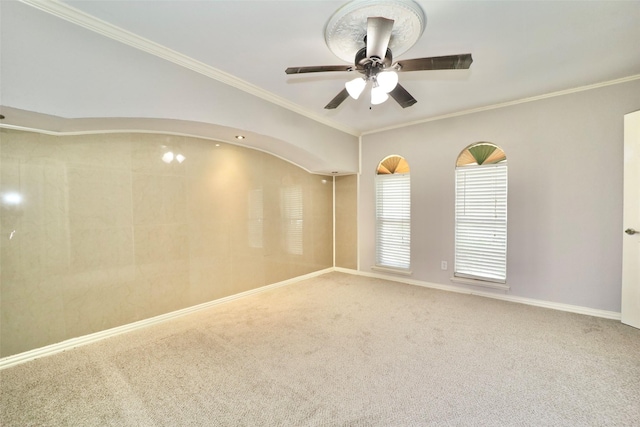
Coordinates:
565	192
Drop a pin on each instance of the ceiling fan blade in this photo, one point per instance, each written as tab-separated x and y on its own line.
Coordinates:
317	69
451	62
403	97
378	36
335	102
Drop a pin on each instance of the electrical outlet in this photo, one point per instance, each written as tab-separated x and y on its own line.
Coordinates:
443	265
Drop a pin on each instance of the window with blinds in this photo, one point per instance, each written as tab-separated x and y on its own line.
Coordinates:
481	218
393	220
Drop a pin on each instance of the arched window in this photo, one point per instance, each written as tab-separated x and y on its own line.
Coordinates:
481	213
393	213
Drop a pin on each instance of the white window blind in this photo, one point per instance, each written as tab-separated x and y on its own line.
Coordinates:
393	221
481	222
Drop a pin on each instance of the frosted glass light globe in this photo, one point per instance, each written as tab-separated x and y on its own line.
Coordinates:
355	87
378	95
387	80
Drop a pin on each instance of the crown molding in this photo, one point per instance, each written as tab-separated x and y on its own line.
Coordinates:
75	16
507	104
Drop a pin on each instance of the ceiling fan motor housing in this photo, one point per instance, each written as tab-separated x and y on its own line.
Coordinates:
372	66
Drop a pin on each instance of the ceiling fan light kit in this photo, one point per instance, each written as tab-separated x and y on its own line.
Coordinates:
387	80
355	87
369	30
378	95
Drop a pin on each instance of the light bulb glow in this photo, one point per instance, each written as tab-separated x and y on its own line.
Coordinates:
167	157
387	80
180	158
355	87
12	198
378	95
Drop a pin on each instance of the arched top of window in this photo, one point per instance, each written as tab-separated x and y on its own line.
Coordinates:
481	153
391	165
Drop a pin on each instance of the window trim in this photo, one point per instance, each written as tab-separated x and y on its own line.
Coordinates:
478	282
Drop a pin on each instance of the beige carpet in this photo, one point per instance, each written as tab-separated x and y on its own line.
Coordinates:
347	351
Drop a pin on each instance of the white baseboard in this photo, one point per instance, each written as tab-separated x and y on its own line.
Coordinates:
345	270
91	338
511	298
16	359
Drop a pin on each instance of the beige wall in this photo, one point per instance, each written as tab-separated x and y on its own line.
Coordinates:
107	233
347	221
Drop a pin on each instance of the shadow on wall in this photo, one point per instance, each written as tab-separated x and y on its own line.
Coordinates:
102	230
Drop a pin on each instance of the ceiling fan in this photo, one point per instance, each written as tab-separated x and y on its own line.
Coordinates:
375	62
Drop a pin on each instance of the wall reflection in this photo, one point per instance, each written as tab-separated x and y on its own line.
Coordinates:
98	230
11	199
10	202
255	216
292	215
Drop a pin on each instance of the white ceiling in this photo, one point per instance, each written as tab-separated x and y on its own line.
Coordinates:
521	49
